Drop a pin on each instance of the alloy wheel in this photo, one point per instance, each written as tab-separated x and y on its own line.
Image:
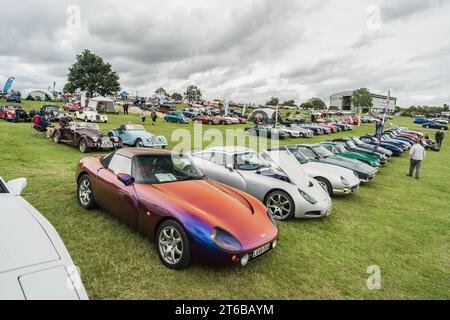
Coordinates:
85	192
279	206
170	245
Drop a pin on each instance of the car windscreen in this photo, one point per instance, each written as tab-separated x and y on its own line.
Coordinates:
135	127
3	188
250	161
84	125
350	144
321	151
156	169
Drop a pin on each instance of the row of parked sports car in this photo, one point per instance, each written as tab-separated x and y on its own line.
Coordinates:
217	206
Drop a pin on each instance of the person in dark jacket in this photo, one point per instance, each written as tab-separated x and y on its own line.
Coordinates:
125	108
439	137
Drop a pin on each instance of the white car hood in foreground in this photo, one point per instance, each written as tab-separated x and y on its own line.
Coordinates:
23	241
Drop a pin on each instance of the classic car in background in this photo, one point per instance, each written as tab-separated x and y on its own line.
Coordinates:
54	112
72	106
34	263
436	125
176	117
85	136
164	196
285	194
14	113
90	115
135	135
267	131
341	151
205	120
336	180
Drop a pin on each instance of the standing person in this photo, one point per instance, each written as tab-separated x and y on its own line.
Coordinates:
439	137
125	108
143	116
154	117
377	126
416	156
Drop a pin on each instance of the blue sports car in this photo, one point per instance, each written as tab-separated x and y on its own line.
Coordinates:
135	135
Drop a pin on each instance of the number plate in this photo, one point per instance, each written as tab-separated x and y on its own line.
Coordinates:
261	250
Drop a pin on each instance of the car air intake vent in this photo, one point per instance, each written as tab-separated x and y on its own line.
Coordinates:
313	213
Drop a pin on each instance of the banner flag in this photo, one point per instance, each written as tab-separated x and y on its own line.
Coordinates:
383	121
8	84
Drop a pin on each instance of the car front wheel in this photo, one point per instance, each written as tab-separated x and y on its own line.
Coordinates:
83	146
84	193
56	137
280	205
138	143
326	184
173	245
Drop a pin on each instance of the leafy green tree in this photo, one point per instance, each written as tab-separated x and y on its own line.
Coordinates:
161	92
193	93
273	102
446	108
92	75
177	96
289	103
314	103
362	98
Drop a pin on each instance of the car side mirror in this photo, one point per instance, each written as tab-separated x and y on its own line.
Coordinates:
125	179
16	186
229	166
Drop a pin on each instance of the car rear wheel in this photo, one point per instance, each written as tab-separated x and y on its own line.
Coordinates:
85	195
326	184
280	205
138	143
83	146
173	245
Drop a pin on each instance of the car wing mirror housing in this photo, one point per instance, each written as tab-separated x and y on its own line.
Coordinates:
125	179
16	186
229	166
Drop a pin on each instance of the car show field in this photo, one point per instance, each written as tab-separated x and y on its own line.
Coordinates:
385	223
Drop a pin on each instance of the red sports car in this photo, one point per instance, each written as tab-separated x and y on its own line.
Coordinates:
333	129
72	107
164	196
223	120
7	113
206	120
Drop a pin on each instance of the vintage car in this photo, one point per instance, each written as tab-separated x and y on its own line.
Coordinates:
421	120
164	196
166	108
14	113
135	135
223	120
85	136
267	131
90	115
13	98
72	106
205	120
304	133
336	180
286	195
34	263
176	117
318	153
54	112
291	133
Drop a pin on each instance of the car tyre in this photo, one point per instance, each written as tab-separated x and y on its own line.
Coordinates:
138	143
280	205
85	195
172	245
324	182
82	146
56	137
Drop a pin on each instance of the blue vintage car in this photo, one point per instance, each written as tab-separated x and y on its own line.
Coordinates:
135	135
421	120
177	117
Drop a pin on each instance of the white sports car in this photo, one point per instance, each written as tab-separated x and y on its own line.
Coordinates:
34	263
337	180
286	195
90	115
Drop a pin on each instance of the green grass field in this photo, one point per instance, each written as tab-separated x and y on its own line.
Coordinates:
395	222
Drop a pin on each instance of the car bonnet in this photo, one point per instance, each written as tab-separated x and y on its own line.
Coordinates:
290	166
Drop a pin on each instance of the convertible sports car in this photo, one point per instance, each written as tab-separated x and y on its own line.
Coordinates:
34	263
85	136
285	194
90	115
341	151
223	120
177	117
318	153
352	147
72	107
54	112
396	150
206	120
164	196
14	113
337	180
135	135
267	131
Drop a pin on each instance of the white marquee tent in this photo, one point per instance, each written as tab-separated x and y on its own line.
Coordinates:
102	104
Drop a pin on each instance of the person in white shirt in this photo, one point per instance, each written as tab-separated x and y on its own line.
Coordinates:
416	156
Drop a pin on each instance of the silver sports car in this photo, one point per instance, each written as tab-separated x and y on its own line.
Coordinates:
337	180
285	196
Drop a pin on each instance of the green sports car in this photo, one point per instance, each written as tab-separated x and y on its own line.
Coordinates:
341	151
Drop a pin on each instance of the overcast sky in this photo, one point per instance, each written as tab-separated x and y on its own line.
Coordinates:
244	50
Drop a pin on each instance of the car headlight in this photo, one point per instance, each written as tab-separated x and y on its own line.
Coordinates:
345	181
116	139
225	240
95	139
307	197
